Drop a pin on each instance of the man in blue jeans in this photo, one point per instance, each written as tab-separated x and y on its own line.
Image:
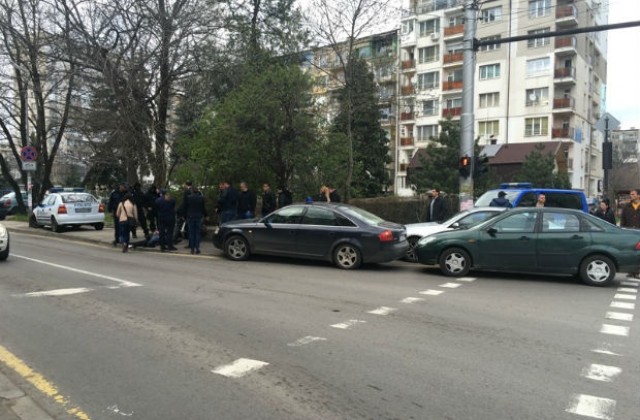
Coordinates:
166	206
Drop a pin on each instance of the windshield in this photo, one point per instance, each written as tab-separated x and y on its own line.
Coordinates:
365	216
485	199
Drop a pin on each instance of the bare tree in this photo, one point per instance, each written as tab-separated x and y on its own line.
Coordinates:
340	23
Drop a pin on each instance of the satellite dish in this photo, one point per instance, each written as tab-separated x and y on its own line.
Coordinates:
533	97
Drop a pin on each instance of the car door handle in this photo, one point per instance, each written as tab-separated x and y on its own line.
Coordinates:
577	237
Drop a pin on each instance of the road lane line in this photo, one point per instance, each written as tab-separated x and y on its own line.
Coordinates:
590	406
383	310
305	340
624	297
451	285
615	330
347	324
627	290
623	305
467	279
57	292
602	373
432	292
239	368
412	300
629	283
40	383
620	316
123	283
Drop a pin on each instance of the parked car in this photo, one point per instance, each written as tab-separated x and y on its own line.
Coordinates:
463	220
345	235
537	240
4	242
60	210
9	204
522	194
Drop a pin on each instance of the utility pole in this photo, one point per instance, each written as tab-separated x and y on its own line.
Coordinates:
607	158
467	118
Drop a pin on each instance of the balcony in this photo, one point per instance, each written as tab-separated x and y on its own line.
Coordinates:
403	167
565	75
562	133
452	85
408	39
408	64
454	31
566	45
567	103
452	58
566	16
408	90
451	112
406	116
406	141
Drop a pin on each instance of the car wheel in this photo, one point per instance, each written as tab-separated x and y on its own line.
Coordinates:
597	270
55	226
411	252
4	254
347	256
455	262
33	223
99	226
236	248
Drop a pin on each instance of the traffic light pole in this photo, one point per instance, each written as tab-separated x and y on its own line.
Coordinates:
467	117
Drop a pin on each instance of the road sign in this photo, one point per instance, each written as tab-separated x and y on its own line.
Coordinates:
28	154
29	166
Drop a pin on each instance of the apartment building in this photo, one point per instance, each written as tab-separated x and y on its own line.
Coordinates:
539	90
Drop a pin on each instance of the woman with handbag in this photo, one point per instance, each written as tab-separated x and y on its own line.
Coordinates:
127	217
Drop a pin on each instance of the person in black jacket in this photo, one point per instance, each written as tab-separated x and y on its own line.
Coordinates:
604	212
116	196
438	209
227	202
268	199
284	197
196	212
500	200
247	202
139	200
166	206
151	213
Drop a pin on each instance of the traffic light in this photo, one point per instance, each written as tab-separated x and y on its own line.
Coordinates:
481	166
465	166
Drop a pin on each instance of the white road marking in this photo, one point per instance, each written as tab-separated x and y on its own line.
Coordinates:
620	316
412	300
123	283
615	330
602	373
467	279
624	297
623	305
239	368
629	283
627	290
451	285
383	310
348	324
306	340
116	410
605	351
590	406
57	292
432	292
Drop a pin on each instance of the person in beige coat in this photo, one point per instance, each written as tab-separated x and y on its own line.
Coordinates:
126	213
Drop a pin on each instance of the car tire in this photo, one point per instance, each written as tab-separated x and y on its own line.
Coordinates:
411	252
455	262
597	270
347	256
236	248
4	254
55	227
33	223
99	226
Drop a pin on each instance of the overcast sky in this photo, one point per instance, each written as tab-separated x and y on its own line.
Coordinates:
623	70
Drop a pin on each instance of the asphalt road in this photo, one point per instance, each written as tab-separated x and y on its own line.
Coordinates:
151	336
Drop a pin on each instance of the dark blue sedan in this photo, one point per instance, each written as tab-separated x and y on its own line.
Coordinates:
345	235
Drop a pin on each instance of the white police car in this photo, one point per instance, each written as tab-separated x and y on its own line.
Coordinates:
4	242
62	209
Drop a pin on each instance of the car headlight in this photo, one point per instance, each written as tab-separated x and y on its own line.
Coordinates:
425	240
3	231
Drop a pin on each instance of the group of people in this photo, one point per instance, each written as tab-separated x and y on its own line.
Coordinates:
241	204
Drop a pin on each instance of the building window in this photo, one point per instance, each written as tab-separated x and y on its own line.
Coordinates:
456	20
428	54
536	126
487	129
492	14
538	66
427	132
492	47
430	107
538	8
537	96
539	42
453	103
490	71
428	80
429	27
407	26
488	100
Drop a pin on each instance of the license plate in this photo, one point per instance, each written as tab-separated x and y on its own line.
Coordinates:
78	205
83	210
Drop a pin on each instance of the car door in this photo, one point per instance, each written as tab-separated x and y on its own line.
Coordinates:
561	242
277	233
320	228
509	243
43	212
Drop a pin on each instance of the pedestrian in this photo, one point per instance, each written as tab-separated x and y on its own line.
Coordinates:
500	200
151	212
438	209
115	198
127	216
542	200
246	202
284	197
604	212
328	194
182	226
139	199
268	199
630	218
166	206
149	242
227	202
196	213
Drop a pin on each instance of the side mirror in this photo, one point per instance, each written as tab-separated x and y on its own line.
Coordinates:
492	232
455	225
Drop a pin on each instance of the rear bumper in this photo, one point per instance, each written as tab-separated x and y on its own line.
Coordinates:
388	253
67	219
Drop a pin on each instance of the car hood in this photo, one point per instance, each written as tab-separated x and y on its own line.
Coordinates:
423	229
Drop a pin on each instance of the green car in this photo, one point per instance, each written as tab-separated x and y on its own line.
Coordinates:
544	240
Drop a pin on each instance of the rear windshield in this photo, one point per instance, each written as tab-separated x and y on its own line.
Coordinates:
365	216
554	199
78	198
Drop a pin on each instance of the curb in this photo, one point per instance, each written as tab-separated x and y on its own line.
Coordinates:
16	405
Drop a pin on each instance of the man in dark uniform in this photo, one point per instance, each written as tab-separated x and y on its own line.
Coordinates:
438	210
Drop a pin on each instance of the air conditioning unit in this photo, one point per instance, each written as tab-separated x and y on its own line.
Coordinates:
435	36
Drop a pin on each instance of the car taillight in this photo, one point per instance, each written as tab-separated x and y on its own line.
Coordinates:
638	246
101	208
7	203
62	209
386	236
